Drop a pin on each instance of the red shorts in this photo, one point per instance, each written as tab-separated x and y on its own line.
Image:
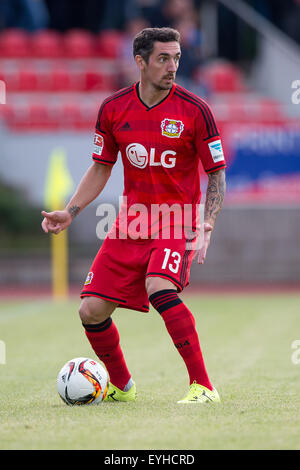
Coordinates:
121	267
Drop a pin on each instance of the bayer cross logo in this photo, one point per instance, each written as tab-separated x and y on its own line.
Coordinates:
171	128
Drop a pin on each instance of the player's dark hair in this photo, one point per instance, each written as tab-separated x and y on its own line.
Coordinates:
143	42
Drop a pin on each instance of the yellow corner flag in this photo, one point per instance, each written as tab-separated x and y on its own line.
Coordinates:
59	184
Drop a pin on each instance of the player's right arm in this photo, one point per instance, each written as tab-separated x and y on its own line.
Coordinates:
90	186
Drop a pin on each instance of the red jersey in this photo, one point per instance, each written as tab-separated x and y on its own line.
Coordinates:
161	147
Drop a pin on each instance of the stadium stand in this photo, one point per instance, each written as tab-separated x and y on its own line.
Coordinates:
221	76
14	43
46	44
78	44
57	80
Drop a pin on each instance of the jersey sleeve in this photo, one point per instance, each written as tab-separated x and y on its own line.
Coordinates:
208	141
105	148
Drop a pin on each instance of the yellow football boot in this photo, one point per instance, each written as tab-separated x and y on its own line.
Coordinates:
115	394
200	394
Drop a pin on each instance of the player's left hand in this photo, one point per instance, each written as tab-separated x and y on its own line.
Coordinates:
206	241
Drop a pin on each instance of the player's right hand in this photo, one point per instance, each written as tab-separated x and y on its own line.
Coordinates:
56	221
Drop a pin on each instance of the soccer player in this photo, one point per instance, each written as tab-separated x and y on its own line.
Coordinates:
163	134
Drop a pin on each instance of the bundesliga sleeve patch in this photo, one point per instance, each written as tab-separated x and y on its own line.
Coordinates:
98	144
216	151
89	278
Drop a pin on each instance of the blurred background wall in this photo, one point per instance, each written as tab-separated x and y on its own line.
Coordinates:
60	59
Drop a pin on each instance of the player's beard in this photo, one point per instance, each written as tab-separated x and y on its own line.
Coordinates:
162	85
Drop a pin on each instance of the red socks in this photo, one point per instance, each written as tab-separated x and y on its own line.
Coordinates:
105	341
180	324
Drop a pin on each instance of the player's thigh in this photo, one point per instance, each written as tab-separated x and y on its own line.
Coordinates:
170	261
95	310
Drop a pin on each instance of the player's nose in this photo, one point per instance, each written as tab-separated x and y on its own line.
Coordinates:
172	67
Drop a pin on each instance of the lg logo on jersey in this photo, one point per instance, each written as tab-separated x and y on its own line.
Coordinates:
138	156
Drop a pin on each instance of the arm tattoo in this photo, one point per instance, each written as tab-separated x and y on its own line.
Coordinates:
73	211
214	195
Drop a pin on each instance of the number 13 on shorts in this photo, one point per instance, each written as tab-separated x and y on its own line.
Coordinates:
171	260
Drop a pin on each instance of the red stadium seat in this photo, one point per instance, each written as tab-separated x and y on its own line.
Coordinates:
14	43
27	80
109	44
11	80
223	77
247	108
238	112
71	115
270	110
98	81
47	44
79	44
24	77
60	80
38	115
78	81
89	112
16	116
7	113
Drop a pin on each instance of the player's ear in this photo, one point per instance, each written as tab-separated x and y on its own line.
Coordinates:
140	62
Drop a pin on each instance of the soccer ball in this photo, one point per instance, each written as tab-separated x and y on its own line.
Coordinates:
82	381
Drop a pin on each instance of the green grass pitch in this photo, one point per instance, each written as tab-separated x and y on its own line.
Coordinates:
247	345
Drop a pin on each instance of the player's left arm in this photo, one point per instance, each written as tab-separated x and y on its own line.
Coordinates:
214	196
210	150
213	204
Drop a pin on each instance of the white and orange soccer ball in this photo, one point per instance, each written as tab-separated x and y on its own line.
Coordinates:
82	381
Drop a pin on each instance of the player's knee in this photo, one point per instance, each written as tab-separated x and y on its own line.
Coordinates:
155	284
86	313
93	310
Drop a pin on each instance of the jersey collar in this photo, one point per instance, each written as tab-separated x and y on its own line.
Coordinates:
145	106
